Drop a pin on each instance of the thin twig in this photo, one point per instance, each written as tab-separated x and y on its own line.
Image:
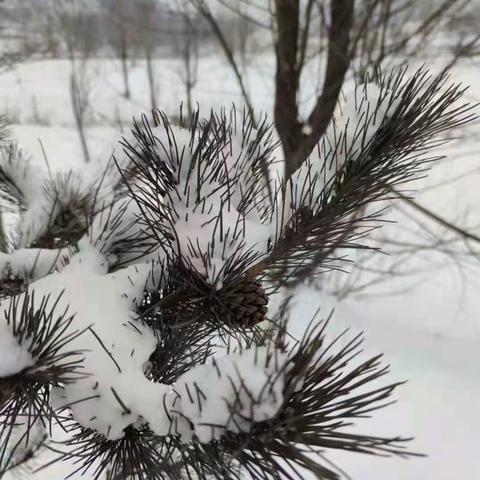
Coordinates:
436	218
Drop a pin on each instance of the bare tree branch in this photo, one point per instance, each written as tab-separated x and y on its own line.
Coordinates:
338	61
437	218
203	8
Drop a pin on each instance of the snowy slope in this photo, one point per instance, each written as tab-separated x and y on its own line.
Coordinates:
438	404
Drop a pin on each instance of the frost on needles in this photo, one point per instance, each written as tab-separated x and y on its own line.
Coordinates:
136	299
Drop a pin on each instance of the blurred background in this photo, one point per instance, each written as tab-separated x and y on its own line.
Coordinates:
75	73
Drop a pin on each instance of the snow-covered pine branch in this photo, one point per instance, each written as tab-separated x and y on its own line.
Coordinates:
93	356
136	313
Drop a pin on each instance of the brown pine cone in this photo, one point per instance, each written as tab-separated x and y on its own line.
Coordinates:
243	302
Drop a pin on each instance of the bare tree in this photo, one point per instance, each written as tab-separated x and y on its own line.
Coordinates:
80	103
74	24
350	37
189	51
144	17
347	38
300	138
119	21
227	49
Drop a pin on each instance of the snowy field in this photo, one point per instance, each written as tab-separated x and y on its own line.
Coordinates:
426	323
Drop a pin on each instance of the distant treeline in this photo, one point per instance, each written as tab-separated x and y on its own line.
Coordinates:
102	28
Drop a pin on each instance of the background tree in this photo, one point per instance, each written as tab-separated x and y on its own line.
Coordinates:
118	22
346	39
145	15
77	27
189	50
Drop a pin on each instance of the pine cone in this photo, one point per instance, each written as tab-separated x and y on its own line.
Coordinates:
244	302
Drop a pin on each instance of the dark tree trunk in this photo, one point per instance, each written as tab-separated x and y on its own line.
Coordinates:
297	143
287	122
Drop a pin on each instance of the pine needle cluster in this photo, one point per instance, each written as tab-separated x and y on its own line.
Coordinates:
201	207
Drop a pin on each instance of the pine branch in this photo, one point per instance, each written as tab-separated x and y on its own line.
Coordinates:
323	392
416	111
139	455
316	212
212	173
319	405
198	210
183	339
44	334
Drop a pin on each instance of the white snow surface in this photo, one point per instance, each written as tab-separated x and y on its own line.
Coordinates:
14	357
32	263
233	391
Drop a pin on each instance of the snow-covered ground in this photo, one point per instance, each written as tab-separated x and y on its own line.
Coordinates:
428	328
438	404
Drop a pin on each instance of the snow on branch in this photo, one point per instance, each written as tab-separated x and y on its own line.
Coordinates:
31	264
137	315
93	355
203	200
201	187
380	139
